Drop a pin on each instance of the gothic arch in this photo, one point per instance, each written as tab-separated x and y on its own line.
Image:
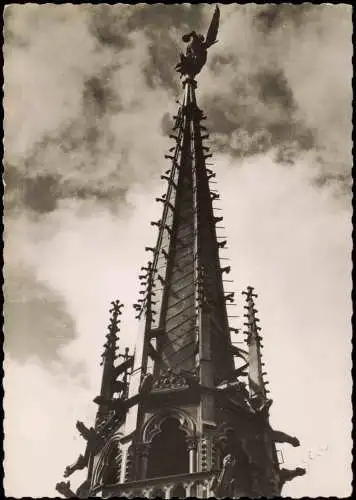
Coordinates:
153	426
109	461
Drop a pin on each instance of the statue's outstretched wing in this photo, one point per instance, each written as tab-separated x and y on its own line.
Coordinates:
213	28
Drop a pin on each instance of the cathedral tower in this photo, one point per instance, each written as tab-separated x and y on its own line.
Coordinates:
187	414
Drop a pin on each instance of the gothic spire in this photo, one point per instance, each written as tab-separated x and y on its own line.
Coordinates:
183	292
257	384
114	383
176	411
109	355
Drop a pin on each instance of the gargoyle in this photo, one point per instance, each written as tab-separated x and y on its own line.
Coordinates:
282	437
277	436
87	434
91	438
193	61
63	488
79	464
289	474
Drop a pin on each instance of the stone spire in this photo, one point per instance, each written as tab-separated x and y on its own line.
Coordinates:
176	419
256	382
183	284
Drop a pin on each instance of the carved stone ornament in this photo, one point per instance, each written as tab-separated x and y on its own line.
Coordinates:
79	464
170	380
192	442
153	426
107	423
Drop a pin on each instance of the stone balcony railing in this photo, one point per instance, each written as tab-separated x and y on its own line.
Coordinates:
187	485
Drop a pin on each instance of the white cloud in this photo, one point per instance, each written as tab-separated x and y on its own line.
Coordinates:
289	240
44	79
40	414
100	254
292	242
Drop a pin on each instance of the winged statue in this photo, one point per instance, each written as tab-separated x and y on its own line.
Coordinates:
194	59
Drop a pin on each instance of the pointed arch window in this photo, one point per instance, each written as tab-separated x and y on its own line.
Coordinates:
169	454
178	492
112	470
109	465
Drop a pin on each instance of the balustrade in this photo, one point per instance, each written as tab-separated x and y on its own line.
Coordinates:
179	486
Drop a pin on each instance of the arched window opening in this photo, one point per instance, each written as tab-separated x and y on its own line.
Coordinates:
178	492
157	493
112	468
168	452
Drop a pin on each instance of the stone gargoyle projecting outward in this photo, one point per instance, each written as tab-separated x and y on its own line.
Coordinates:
82	461
289	474
192	62
64	489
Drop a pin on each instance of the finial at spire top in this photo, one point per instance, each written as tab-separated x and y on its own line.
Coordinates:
193	61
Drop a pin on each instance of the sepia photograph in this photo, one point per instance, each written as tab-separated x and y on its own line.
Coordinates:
177	250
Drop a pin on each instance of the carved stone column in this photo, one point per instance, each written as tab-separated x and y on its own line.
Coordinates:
192	443
147	492
127	463
124	450
203	489
168	491
188	489
143	451
207	486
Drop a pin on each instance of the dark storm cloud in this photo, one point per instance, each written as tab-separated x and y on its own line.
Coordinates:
112	24
276	80
256	109
274	89
69	161
41	193
260	114
36	319
46	177
105	26
98	97
160	70
271	17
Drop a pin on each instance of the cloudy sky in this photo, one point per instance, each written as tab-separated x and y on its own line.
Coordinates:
89	95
